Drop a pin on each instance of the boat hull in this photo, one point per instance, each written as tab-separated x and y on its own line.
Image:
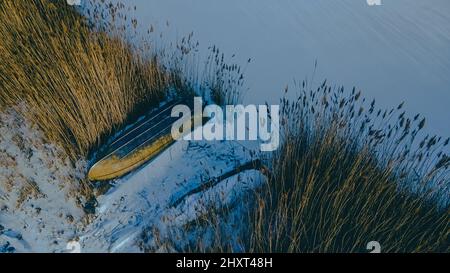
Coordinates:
138	144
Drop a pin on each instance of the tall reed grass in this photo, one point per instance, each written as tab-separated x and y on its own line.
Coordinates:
349	173
78	84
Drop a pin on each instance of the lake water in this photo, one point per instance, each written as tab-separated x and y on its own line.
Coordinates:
399	51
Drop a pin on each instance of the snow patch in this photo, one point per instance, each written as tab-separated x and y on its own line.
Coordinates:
39	211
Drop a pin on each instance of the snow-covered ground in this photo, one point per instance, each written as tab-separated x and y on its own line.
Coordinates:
156	202
143	211
149	209
399	51
38	204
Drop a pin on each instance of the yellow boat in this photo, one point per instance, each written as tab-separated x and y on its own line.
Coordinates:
137	144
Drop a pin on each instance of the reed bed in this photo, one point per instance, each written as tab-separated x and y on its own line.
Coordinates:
349	173
79	82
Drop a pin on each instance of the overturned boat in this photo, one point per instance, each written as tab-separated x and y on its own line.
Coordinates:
138	143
